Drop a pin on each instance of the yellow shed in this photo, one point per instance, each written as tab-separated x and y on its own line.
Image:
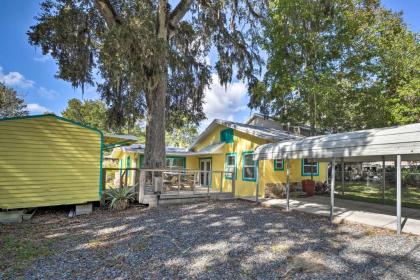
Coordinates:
47	160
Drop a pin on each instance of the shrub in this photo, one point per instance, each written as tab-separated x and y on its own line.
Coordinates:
120	198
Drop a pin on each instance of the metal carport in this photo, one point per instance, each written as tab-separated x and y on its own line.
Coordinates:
399	143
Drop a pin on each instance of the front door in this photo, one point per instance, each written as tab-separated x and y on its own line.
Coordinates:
205	174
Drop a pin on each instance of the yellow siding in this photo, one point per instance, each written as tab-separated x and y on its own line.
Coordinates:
47	161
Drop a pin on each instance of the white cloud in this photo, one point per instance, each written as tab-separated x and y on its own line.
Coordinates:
15	79
35	108
47	93
222	102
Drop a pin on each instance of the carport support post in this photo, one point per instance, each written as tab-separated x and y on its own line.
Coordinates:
398	194
342	175
383	179
332	190
288	185
257	182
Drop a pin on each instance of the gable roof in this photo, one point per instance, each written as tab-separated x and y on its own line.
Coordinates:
269	134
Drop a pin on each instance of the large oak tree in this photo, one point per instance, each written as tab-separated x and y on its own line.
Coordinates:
149	57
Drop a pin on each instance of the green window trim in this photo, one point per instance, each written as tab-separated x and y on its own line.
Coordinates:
227	135
234	167
275	165
303	173
248	179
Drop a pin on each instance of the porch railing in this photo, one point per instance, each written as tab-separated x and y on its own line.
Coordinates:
169	182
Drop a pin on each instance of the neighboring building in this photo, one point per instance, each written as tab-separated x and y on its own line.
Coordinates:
47	160
229	146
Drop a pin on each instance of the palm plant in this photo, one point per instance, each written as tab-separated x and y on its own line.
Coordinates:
120	198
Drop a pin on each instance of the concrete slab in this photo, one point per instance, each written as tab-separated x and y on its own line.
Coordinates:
352	211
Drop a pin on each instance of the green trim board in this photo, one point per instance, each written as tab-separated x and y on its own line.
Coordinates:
128	165
234	168
226	135
275	165
248	179
303	173
141	159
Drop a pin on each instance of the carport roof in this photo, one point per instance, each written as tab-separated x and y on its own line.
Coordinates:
356	146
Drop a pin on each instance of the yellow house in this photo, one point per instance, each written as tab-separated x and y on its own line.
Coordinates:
229	146
47	160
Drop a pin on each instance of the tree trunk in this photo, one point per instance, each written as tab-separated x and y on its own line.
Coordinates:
154	153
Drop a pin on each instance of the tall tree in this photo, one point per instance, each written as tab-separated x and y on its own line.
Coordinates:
94	113
339	64
88	112
10	104
151	55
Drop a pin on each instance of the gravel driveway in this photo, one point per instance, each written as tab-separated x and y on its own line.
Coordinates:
215	240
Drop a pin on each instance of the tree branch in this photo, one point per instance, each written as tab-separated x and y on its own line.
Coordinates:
179	12
107	11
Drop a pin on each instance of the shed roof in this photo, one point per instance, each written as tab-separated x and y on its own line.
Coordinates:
356	146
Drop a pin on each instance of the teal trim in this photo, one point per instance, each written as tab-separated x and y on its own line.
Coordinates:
226	135
309	174
275	165
141	159
211	167
248	179
128	165
234	168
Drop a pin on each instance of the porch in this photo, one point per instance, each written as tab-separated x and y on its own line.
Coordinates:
154	186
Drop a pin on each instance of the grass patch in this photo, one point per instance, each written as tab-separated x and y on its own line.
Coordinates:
373	194
16	254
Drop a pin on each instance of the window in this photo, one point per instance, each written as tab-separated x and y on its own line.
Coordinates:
175	162
279	164
226	135
230	165
308	168
249	170
171	162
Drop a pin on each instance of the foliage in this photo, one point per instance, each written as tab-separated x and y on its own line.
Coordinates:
10	104
94	113
182	137
88	112
341	64
120	198
150	56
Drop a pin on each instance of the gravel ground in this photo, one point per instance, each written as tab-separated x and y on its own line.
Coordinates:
215	240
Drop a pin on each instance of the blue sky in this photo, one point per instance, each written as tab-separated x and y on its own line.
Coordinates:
24	68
